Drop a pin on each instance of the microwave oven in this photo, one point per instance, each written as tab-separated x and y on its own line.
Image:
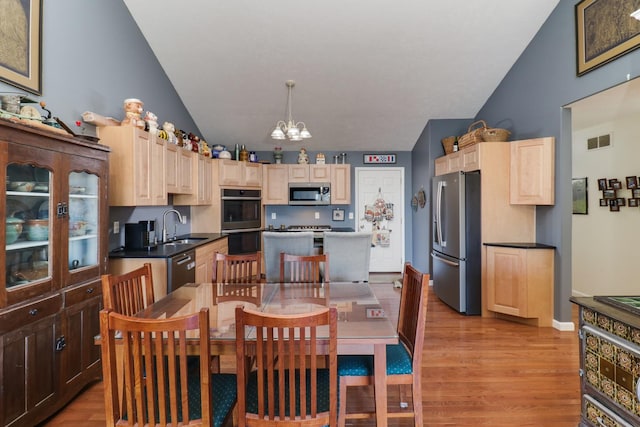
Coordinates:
309	193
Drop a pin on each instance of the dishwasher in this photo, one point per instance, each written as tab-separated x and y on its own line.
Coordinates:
182	270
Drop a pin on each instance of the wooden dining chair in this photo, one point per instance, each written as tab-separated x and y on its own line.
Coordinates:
304	268
159	384
287	387
130	292
403	360
244	268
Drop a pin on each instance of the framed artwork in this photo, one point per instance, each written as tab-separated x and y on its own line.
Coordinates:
379	159
602	184
615	184
609	194
20	58
632	182
635	193
604	31
621	201
604	202
633	203
613	205
338	214
580	202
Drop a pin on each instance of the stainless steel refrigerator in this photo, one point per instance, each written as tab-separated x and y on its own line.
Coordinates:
456	243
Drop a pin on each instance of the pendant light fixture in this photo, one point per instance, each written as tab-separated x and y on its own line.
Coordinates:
289	128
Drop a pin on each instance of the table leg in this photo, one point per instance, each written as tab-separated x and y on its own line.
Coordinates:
380	383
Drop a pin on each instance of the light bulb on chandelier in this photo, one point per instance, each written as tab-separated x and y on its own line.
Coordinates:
290	129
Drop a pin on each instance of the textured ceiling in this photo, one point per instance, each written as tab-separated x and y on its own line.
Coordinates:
369	74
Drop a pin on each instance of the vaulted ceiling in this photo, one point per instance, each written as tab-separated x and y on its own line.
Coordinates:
369	74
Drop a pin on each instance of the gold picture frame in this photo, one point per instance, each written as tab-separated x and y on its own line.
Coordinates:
21	35
605	31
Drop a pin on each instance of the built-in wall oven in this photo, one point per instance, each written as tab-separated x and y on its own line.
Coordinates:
241	212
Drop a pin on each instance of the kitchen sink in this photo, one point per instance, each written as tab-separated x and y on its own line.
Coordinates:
185	241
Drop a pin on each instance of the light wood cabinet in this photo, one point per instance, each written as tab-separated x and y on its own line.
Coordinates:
519	282
180	178
137	168
202	191
234	173
340	184
205	257
309	173
533	171
43	262
275	190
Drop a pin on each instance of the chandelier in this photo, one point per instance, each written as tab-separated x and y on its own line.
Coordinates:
289	129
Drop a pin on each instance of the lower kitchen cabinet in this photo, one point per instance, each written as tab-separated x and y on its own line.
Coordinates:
519	281
609	361
205	257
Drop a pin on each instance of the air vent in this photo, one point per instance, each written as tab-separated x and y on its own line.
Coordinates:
601	141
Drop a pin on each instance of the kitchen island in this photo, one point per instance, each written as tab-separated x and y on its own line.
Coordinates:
609	360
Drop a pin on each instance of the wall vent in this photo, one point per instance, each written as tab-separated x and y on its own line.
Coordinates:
601	141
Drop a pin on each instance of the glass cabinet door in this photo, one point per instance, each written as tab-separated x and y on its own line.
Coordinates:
83	220
28	225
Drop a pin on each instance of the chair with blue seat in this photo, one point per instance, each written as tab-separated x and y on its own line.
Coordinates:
275	242
287	387
150	380
403	360
350	255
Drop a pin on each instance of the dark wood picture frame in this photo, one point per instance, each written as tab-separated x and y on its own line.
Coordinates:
621	201
635	193
632	203
615	184
609	194
632	182
604	31
613	205
23	69
602	184
580	196
604	202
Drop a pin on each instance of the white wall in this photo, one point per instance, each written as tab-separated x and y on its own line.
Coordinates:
606	245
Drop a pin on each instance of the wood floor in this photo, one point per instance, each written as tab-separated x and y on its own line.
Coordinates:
475	372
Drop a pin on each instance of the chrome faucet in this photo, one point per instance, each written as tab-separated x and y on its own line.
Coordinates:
164	219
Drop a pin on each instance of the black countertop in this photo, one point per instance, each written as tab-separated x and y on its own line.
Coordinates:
521	245
167	251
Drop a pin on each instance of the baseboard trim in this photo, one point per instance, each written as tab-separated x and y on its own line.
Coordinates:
563	326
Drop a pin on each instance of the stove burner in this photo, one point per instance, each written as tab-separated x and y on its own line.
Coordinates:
309	228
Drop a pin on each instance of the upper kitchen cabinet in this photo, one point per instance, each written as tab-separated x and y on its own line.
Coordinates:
179	177
234	173
201	174
137	167
533	172
309	173
275	190
340	184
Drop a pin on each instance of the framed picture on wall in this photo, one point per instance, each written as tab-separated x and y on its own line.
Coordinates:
20	57
613	205
621	201
604	32
604	202
602	184
633	203
609	194
580	202
632	182
635	193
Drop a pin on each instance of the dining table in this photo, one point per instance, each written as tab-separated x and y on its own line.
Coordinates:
363	325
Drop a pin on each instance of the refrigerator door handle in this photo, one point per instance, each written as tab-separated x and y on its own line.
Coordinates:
446	261
441	241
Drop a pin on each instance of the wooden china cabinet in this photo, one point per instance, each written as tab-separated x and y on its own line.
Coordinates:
55	249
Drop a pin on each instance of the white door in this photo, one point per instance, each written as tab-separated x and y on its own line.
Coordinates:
380	210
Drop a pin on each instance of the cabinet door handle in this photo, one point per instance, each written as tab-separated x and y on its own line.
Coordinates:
33	311
90	290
